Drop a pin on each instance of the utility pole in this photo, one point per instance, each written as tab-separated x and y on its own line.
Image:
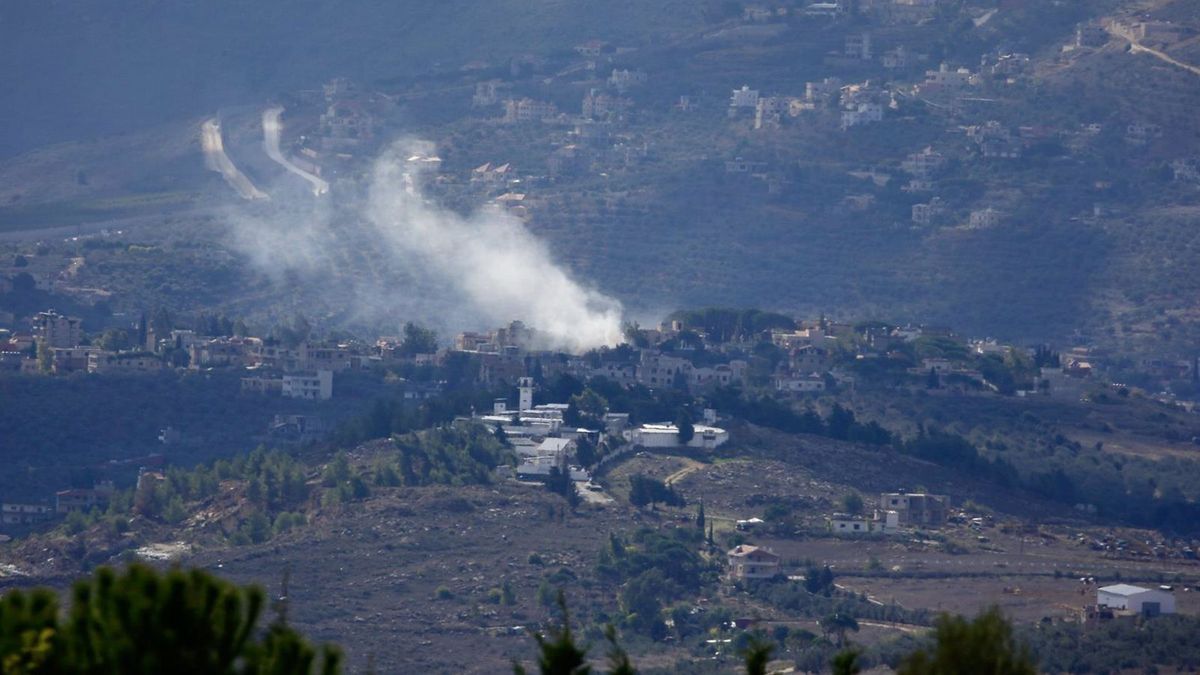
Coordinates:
282	603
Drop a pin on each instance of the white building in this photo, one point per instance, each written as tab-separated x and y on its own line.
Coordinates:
945	77
744	98
982	218
863	113
842	523
316	386
1146	601
667	436
800	384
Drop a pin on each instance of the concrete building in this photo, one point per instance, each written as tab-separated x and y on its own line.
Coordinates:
24	514
667	436
261	384
863	113
915	509
842	523
925	163
945	77
929	213
528	110
752	562
800	384
982	218
123	362
82	499
745	97
858	46
70	359
58	330
316	386
1136	600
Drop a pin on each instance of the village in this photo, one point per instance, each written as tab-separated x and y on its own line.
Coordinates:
796	361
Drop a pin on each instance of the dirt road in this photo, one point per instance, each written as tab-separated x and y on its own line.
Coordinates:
216	160
271	129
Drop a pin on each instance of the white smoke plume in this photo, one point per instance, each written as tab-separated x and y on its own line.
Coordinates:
476	271
500	266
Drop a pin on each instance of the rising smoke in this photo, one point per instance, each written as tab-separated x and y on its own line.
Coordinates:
486	268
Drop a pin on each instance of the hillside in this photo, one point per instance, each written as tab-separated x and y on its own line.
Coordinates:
1087	233
441	577
119	66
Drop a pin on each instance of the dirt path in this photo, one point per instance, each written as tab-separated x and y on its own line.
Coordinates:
1136	47
272	126
692	467
216	160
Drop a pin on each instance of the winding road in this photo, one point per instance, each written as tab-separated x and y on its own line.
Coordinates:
272	126
216	160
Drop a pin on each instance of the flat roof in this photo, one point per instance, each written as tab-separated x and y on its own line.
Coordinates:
1124	589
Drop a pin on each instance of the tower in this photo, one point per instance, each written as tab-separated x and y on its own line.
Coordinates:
525	386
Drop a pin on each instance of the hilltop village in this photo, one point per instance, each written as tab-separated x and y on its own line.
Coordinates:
696	359
710	330
768	456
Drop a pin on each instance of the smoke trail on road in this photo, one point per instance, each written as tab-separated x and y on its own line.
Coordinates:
271	128
216	160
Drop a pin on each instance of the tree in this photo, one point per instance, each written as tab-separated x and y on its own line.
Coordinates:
687	431
839	625
846	663
700	517
852	503
644	491
114	340
757	654
162	322
618	658
45	357
585	452
558	653
24	283
418	340
590	405
634	335
983	645
142	621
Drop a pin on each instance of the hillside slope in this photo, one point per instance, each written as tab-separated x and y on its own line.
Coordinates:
75	71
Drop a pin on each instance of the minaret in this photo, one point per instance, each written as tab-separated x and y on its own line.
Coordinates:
525	386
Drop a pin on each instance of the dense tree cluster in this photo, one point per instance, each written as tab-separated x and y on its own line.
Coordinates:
644	491
654	568
450	455
732	325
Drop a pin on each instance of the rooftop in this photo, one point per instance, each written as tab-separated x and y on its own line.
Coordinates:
1123	589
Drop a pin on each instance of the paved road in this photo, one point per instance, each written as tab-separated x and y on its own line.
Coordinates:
111	225
271	128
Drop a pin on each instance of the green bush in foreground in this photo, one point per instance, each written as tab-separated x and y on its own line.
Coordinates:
142	621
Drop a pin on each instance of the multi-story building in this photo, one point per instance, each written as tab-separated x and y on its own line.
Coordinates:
58	330
316	386
915	509
752	562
